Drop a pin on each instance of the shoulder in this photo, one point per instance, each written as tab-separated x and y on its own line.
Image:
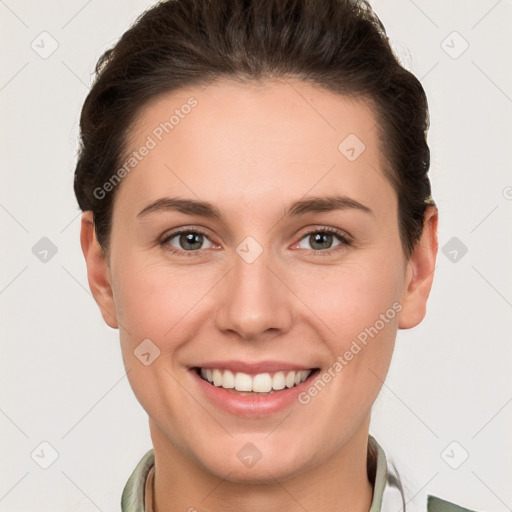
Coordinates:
389	493
132	499
435	504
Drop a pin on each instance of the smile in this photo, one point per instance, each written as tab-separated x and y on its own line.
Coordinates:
253	390
259	383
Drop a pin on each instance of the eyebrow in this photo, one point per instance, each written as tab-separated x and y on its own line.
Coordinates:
297	208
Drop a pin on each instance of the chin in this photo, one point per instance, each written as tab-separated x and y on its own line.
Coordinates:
248	464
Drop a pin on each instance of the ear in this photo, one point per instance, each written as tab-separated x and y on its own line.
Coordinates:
420	273
98	271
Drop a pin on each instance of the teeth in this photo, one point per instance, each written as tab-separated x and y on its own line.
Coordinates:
278	381
228	380
217	377
260	383
243	382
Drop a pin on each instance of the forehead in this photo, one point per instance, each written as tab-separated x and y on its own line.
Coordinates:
233	142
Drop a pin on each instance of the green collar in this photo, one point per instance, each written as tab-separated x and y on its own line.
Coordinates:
386	489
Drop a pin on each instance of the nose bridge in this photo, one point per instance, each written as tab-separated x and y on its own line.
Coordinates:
254	301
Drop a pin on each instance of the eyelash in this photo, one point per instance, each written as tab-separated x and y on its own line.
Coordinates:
343	238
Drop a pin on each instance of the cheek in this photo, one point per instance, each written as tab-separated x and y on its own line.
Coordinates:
153	301
352	297
356	306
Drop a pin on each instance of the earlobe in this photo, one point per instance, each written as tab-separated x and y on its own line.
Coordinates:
98	272
420	273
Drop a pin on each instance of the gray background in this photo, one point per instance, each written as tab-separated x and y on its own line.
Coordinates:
448	394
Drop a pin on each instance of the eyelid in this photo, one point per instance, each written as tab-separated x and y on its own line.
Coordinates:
328	229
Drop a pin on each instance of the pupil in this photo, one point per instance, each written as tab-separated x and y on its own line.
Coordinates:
318	237
188	240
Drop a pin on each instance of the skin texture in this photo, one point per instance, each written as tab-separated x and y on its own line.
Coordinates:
251	150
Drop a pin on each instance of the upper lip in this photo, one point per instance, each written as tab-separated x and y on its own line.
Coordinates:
253	367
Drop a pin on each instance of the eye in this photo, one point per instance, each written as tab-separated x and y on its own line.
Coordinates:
324	240
186	242
321	241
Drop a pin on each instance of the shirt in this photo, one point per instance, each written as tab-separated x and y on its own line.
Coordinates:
387	494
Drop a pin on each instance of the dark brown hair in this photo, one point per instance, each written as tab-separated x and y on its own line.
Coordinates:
340	45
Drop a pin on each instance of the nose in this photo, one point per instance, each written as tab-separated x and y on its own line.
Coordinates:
255	303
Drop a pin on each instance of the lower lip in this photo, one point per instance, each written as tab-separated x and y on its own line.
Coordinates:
249	405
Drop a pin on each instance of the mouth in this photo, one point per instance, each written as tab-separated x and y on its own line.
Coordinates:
252	389
259	384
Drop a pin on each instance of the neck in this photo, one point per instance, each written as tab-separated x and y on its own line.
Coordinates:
339	484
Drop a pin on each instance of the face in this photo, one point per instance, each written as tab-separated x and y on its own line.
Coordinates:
255	243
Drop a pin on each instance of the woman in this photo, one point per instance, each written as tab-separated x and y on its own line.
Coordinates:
258	223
